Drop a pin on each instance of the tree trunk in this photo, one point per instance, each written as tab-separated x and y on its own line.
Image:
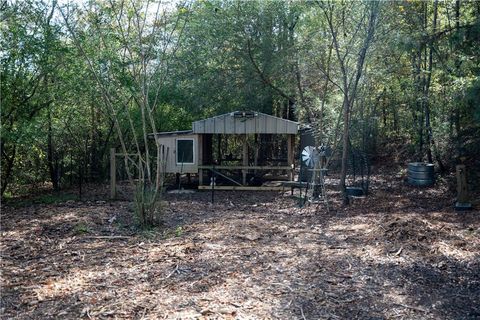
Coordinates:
426	96
457	109
51	157
350	83
7	169
418	110
324	98
346	126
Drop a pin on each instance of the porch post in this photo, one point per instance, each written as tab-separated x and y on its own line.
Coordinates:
290	155
200	159
245	160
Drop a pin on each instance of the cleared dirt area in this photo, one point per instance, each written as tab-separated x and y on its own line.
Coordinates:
401	253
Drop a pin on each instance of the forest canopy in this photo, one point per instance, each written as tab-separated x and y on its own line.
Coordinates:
400	79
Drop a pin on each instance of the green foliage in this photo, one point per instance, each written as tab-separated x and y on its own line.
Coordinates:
269	56
81	228
51	198
178	231
148	206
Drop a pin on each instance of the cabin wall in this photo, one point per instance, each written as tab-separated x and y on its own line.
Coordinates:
170	142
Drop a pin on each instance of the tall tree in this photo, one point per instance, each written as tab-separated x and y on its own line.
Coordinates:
142	48
350	51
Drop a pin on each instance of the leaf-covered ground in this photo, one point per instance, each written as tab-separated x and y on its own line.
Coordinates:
401	253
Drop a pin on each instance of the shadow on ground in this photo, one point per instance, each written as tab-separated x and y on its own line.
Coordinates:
400	253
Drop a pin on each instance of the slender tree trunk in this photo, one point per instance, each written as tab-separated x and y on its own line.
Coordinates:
426	97
430	140
346	133
350	92
51	156
350	79
93	149
418	112
324	97
7	169
457	109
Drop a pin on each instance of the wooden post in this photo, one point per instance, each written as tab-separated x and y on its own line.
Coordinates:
200	159
463	201
256	151
162	157
290	155
462	191
245	160
219	152
113	175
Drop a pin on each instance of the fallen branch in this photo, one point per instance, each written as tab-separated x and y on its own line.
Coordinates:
411	307
398	252
108	237
171	273
303	315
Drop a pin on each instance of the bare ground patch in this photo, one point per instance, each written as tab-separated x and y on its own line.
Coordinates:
401	253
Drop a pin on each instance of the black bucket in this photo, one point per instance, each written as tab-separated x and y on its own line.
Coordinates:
421	174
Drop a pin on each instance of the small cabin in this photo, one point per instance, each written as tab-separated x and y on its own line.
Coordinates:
182	150
236	146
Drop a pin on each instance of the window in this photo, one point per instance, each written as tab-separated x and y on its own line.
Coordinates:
185	152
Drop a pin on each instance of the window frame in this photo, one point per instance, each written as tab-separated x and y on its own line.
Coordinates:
176	151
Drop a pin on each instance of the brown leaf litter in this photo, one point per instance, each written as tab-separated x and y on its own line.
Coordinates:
401	253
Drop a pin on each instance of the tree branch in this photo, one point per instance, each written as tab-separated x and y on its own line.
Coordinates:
264	78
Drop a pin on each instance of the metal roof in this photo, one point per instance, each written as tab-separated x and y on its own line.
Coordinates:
245	122
173	133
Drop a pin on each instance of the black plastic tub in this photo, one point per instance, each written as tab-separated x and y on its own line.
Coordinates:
421	174
354	191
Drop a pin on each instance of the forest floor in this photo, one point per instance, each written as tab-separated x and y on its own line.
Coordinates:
400	253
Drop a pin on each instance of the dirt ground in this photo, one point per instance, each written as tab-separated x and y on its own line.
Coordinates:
400	253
